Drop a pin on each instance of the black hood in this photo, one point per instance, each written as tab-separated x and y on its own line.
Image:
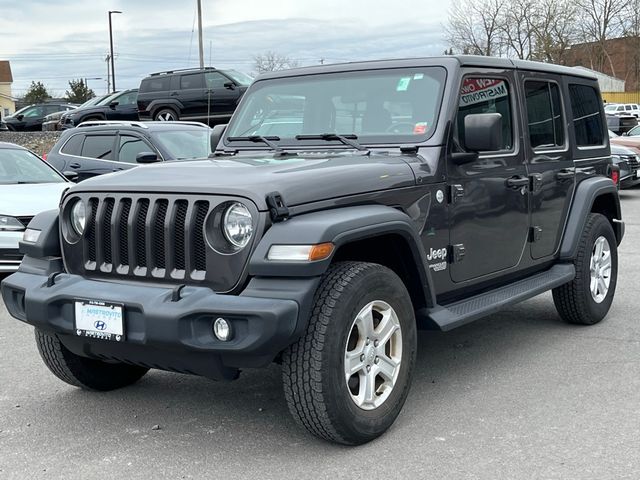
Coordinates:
300	179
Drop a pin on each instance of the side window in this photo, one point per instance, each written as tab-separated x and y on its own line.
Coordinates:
127	99
485	95
195	80
544	114
587	119
129	147
627	107
34	112
216	81
98	146
155	84
73	145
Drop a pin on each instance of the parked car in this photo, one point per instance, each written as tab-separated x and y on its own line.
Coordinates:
28	186
627	161
52	121
118	106
31	118
622	109
208	95
98	147
413	193
622	123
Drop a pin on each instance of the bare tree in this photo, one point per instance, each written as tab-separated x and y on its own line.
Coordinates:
599	21
516	26
271	61
474	26
555	30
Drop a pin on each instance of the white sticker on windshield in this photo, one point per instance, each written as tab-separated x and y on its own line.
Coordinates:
418	76
403	84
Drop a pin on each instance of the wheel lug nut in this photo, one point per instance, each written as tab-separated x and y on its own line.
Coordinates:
368	368
362	357
375	344
377	360
368	341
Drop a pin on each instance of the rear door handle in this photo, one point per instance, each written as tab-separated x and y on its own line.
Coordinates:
174	94
75	165
517	181
566	173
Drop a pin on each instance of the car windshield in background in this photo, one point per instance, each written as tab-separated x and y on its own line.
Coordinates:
21	166
240	78
382	106
185	144
94	101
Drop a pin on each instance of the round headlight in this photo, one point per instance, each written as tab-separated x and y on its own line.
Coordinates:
78	217
237	225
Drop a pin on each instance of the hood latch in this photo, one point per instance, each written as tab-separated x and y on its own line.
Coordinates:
277	208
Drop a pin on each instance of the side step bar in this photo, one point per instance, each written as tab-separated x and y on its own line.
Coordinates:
453	315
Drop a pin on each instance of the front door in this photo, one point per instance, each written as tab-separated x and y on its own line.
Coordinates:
222	100
489	213
550	161
192	95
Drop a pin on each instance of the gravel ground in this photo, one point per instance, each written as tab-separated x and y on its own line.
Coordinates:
518	395
38	142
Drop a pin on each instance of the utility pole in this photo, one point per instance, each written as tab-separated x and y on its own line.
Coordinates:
200	46
107	59
113	68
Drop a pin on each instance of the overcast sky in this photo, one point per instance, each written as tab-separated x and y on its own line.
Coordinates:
54	41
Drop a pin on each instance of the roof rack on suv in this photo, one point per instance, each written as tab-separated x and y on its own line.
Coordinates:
97	123
192	69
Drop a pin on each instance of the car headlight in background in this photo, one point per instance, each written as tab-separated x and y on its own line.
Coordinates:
237	225
78	217
10	224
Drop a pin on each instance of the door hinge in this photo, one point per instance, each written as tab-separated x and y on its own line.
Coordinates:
455	192
535	233
277	208
457	253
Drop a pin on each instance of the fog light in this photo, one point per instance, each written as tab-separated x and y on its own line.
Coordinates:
222	329
31	235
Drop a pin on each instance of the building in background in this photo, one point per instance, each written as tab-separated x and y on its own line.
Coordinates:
7	102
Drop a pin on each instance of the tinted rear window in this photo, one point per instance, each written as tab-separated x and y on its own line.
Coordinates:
73	145
98	146
195	80
159	84
587	118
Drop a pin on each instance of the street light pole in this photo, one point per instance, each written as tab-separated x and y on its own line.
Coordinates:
200	46
113	70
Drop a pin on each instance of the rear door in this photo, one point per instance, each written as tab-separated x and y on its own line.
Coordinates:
192	94
549	159
98	156
489	213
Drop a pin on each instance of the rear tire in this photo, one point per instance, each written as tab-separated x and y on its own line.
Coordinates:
587	298
348	376
166	115
86	373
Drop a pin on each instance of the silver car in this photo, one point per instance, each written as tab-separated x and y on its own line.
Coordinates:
28	185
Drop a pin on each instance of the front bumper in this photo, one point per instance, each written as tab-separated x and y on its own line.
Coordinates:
159	332
629	180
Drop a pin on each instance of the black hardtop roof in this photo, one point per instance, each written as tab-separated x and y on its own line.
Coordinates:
451	61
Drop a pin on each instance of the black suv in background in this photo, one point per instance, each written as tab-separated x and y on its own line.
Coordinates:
208	95
119	106
31	118
99	147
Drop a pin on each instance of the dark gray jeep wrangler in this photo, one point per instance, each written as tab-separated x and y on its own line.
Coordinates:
346	206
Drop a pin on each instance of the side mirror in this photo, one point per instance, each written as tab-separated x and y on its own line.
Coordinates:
114	104
147	157
20	117
71	176
483	132
216	135
230	85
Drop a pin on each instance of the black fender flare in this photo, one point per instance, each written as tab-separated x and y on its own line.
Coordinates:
339	226
584	199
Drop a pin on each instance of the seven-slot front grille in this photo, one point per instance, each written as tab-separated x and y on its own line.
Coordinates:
146	237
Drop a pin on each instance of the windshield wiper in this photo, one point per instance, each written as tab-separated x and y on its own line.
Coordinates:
259	138
347	139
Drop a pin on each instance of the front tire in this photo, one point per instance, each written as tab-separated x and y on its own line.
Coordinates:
587	298
86	373
348	376
166	115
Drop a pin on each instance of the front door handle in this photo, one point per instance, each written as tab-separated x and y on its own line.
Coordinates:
517	181
174	94
75	165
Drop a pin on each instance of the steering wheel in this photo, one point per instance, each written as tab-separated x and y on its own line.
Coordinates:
396	127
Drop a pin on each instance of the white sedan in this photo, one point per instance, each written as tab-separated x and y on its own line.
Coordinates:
28	185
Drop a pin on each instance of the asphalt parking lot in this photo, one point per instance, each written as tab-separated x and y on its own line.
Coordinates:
518	395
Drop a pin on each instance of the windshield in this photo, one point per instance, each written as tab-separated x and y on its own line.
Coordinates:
185	144
381	106
239	77
93	101
22	166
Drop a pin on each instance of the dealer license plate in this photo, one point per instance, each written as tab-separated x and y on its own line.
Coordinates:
101	320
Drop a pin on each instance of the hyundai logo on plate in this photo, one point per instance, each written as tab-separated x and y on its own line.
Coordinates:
100	325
